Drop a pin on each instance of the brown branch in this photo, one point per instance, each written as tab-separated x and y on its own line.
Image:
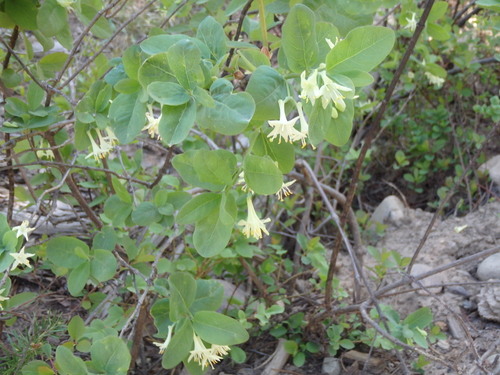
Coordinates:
163	169
374	129
256	280
72	184
236	36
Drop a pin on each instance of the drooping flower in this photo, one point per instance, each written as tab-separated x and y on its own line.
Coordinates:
20	258
310	89
202	355
153	122
283	128
2	298
111	137
253	226
412	22
44	151
23	229
330	92
100	150
434	80
220	350
304	125
163	346
285	190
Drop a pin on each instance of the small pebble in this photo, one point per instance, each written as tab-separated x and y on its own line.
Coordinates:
489	268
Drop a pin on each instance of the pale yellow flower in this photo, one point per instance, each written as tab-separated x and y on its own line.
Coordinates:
202	355
163	346
304	125
23	229
153	122
20	258
285	190
101	150
310	89
2	298
283	128
220	349
49	154
253	226
330	92
434	80
412	22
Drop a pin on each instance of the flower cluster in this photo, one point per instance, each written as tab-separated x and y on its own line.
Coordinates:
253	226
44	151
207	356
412	22
21	257
163	346
153	122
105	146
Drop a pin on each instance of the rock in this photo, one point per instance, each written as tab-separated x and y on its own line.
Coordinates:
390	211
436	279
245	371
232	295
494	360
488	303
489	268
492	167
456	328
444	345
331	366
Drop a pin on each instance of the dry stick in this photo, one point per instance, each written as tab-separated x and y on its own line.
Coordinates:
243	14
76	46
76	166
366	317
368	141
151	276
256	280
443	203
108	42
72	184
163	169
54	127
8	153
383	292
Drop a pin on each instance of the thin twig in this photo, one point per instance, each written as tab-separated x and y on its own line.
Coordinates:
371	134
236	36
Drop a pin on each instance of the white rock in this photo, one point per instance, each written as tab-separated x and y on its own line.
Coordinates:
390	211
232	294
489	268
436	279
331	366
492	166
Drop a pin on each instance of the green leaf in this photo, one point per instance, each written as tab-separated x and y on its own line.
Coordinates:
131	61
146	214
325	30
299	39
51	63
168	93
282	153
66	251
121	191
52	18
359	78
103	265
198	208
419	319
22	12
438	32
212	233
161	43
34	96
218	329
216	166
155	69
76	328
111	355
78	277
251	59
24	298
266	86
16	107
209	296
179	347
184	165
362	49
438	10
176	122
291	347
68	363
182	294
202	97
230	115
36	368
212	34
128	116
102	28
184	59
127	86
117	210
262	175
299	359
338	131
